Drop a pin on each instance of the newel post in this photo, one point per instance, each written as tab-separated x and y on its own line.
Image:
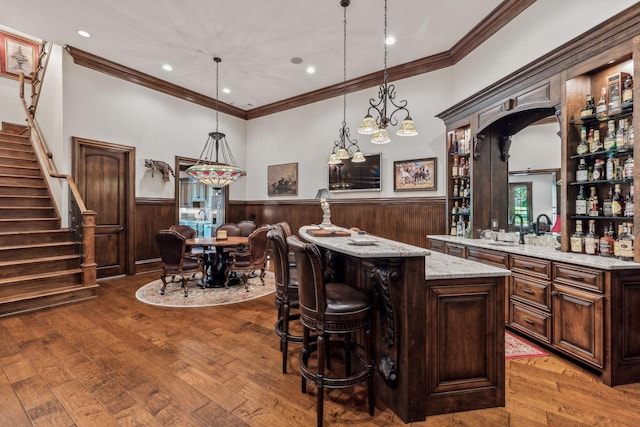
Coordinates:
89	266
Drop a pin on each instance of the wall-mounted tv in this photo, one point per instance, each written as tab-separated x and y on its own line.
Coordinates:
349	176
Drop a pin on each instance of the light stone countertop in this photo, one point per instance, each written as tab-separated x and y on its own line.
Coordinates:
437	265
381	247
551	254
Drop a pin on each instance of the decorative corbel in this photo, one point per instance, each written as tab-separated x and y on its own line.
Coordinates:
558	113
383	276
505	145
478	139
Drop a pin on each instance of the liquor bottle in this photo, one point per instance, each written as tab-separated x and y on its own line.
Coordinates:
461	167
581	202
606	243
577	239
582	174
454	144
610	138
591	239
610	168
629	135
625	243
455	209
456	188
616	243
593	140
601	106
589	108
598	170
466	193
454	168
453	229
627	92
606	204
595	206
461	146
628	167
620	135
628	205
582	147
616	205
460	227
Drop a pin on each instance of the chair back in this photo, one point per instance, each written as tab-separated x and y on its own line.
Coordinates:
311	290
280	255
258	244
246	228
171	245
186	231
232	229
286	228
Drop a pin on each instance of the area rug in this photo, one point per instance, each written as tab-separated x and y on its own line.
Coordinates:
515	347
199	297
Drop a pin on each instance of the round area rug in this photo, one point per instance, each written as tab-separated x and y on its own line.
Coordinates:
199	297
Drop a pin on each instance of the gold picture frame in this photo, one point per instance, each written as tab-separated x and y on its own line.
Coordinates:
282	180
414	175
17	55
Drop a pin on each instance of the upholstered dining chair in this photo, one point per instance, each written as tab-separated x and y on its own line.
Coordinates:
286	298
331	309
252	259
246	227
188	233
171	245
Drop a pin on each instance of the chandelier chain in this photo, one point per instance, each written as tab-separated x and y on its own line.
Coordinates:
344	68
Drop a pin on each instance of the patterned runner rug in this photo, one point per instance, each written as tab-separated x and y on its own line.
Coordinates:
515	347
199	297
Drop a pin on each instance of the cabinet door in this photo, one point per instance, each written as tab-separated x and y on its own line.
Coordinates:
578	324
455	250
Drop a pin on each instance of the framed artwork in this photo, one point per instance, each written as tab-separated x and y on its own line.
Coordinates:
349	176
411	175
17	55
282	180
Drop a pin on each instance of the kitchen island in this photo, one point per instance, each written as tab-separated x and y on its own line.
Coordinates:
439	322
582	306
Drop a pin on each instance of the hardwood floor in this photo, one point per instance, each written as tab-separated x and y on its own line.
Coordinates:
116	361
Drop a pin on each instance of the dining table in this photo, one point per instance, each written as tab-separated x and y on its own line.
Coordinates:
216	262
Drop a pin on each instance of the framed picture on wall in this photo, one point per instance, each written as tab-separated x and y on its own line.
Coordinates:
412	175
17	55
282	180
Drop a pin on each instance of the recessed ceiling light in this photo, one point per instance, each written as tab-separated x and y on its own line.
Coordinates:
167	67
311	69
226	90
390	40
296	60
83	33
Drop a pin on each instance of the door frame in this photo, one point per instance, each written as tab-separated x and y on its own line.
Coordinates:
130	155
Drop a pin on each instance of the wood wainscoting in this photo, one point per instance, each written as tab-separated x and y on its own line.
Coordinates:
151	215
407	220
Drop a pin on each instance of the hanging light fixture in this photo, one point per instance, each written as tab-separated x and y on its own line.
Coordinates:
342	151
214	171
386	95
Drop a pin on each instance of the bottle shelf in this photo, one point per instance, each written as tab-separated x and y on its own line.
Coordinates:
603	181
603	154
602	217
626	110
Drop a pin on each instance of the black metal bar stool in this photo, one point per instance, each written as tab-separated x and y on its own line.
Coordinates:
330	309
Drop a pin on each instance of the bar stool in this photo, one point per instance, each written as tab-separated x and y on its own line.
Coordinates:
330	309
286	291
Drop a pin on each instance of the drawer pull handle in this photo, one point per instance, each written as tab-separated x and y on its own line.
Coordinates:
529	321
529	267
576	278
528	291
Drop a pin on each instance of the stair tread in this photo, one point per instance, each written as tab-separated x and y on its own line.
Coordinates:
46	275
13	175
26	219
26	232
40	294
37	245
31	208
39	260
22	196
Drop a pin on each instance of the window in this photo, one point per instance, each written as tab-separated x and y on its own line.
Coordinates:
519	204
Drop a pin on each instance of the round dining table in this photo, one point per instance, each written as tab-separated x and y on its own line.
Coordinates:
216	263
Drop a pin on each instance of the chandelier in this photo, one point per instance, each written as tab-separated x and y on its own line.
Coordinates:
342	151
210	168
386	95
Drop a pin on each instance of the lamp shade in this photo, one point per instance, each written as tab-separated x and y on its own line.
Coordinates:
323	193
216	175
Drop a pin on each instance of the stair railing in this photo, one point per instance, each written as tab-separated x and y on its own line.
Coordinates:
82	220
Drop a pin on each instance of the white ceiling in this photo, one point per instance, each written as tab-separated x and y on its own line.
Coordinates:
256	39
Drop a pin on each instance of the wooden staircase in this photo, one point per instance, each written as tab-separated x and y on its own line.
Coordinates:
40	263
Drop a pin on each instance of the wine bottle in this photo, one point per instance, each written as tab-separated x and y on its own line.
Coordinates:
581	202
577	239
591	239
582	147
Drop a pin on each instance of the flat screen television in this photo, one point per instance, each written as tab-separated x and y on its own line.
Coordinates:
350	176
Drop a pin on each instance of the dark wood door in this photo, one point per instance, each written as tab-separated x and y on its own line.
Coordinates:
103	173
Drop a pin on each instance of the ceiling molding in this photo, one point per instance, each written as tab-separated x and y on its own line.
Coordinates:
94	62
498	18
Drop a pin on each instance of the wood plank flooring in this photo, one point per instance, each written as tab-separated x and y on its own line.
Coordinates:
114	361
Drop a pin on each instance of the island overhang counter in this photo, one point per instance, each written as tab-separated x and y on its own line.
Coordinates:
439	322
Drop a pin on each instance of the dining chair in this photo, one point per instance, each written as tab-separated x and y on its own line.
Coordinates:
249	260
331	309
171	245
246	227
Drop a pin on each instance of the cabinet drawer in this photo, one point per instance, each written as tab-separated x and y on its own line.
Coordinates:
455	250
436	245
535	267
531	291
581	277
528	320
486	256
